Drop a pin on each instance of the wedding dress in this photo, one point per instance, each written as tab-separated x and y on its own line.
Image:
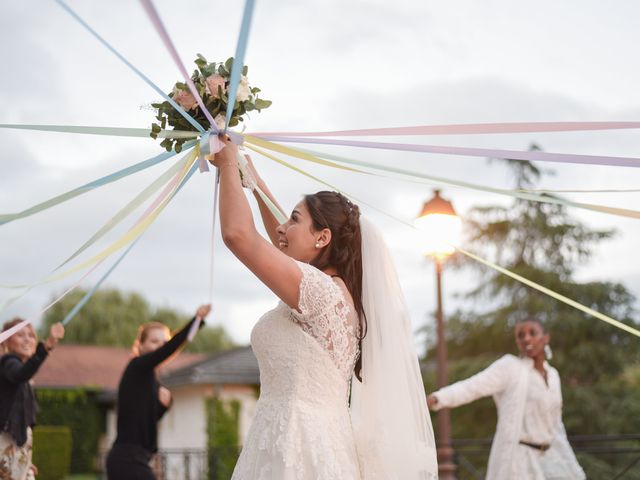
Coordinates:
302	427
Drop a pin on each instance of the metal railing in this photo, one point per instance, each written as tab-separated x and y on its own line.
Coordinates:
603	457
606	457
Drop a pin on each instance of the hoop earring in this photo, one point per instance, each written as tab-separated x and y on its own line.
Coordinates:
547	352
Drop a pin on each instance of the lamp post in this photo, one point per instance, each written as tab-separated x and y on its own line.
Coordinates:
439	221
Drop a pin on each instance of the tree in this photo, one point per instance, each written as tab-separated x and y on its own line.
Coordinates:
598	363
112	317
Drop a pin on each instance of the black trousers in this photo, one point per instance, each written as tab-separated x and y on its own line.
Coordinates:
129	462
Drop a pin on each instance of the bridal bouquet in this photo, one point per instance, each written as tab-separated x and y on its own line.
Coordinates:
212	82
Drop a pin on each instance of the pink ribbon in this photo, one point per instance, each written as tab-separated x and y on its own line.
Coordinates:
161	197
164	36
8	333
464	129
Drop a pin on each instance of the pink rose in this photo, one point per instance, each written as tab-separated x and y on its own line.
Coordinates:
184	99
212	83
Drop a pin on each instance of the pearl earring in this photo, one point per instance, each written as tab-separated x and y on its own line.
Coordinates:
317	245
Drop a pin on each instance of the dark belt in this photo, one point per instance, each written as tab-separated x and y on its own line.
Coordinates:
543	447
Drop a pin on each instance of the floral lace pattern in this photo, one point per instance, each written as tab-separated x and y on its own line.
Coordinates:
326	316
302	427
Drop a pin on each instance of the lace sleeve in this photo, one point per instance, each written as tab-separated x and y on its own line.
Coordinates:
316	293
324	314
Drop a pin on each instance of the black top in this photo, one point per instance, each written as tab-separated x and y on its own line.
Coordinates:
139	408
18	405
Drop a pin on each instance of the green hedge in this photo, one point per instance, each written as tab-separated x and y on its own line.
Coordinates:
52	452
223	436
78	410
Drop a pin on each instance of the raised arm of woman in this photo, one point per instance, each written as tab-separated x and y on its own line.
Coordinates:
495	378
16	371
154	358
275	269
268	219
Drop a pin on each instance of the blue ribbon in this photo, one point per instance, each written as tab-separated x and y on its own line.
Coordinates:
78	306
238	60
205	149
9	217
188	117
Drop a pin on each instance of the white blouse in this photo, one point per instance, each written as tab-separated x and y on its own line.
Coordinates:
527	410
538	422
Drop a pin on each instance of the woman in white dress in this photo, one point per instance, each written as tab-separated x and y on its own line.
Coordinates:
308	347
530	441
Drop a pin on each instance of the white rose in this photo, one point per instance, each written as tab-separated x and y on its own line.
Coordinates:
220	121
243	92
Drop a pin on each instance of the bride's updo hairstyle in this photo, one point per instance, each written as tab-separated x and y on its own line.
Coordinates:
336	212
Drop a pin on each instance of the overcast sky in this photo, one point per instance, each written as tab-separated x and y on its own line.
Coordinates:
326	65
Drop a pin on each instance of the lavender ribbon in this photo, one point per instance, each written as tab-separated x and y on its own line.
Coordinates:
535	156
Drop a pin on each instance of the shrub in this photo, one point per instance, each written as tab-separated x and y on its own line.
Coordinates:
52	452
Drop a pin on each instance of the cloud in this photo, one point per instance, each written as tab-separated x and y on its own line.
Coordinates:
326	66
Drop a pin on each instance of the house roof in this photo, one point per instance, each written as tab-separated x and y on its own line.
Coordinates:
236	366
71	366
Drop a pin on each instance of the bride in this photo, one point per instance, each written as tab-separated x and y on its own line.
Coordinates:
341	394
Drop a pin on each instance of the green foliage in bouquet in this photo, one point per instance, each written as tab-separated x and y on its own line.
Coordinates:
212	82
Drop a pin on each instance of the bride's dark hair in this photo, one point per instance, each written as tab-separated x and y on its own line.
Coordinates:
336	212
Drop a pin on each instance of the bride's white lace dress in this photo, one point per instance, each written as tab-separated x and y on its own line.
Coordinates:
302	427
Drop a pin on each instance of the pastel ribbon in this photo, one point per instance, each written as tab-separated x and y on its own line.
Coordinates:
5	335
299	170
295	153
143	223
90	293
553	294
214	216
275	211
87	187
133	233
133	204
464	129
238	60
519	278
164	36
466	151
622	212
78	306
178	108
109	131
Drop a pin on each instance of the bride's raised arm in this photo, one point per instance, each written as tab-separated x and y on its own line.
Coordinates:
269	221
274	268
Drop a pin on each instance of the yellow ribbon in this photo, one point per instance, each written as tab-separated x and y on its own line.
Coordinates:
504	271
132	234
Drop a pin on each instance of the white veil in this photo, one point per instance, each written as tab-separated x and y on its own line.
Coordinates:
391	423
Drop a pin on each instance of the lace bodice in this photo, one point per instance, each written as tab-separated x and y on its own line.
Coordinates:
325	315
302	427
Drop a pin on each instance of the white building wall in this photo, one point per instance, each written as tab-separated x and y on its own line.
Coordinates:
184	426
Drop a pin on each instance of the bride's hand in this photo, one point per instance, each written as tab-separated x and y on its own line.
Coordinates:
432	401
248	172
228	154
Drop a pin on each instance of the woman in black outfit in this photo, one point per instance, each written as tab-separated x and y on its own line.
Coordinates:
142	401
18	406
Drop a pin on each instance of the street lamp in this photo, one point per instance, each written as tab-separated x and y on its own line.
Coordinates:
438	220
